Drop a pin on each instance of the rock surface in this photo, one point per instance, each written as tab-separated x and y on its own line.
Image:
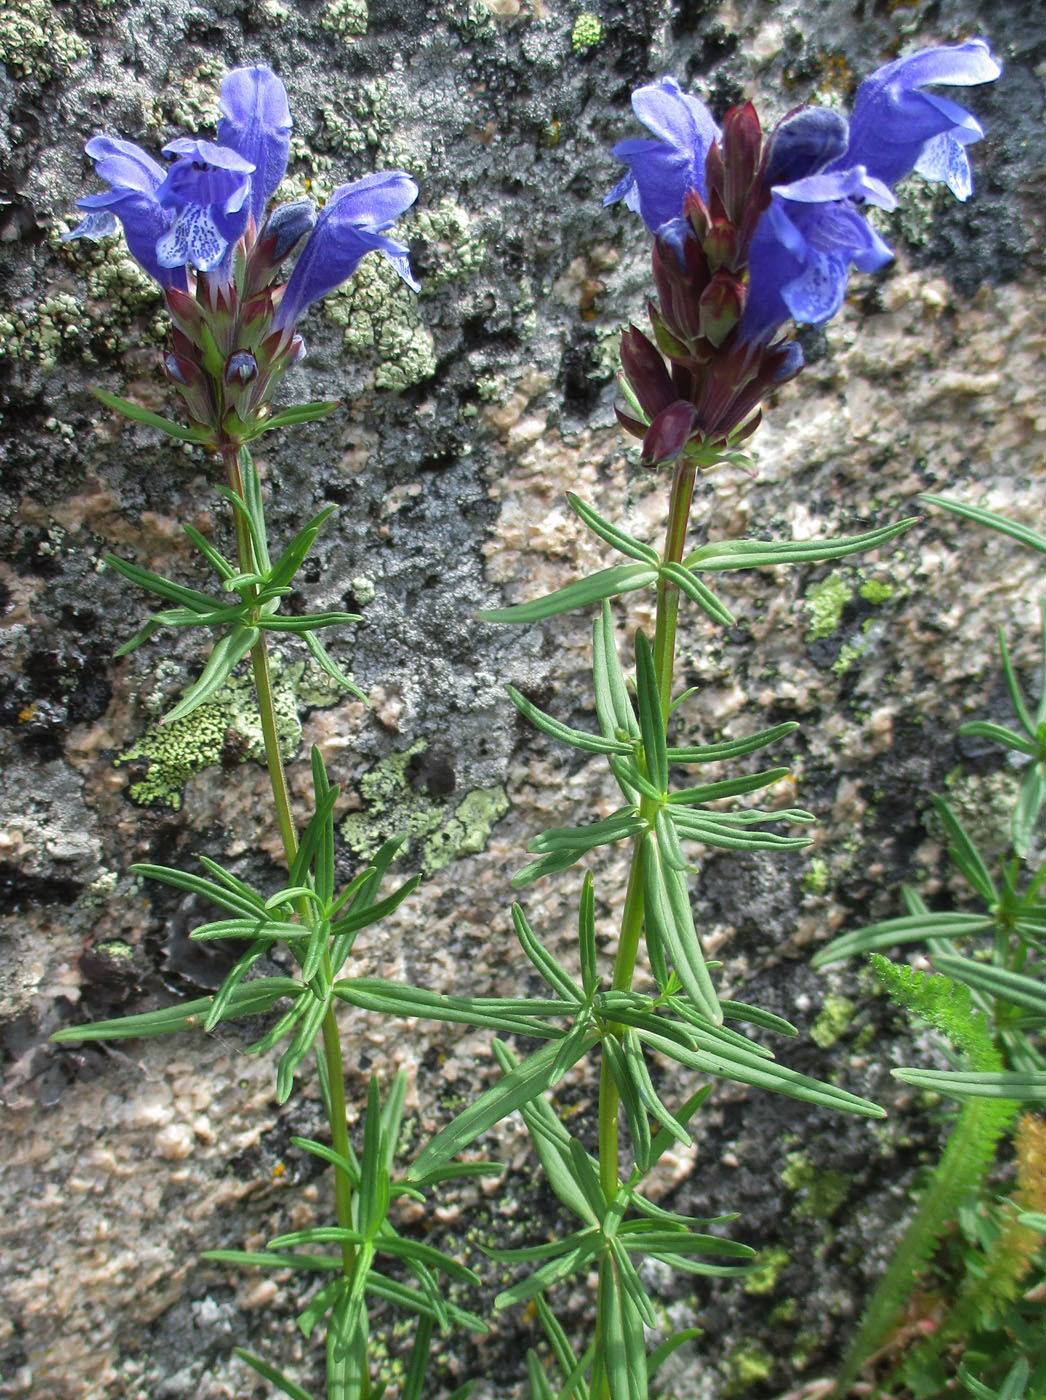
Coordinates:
467	416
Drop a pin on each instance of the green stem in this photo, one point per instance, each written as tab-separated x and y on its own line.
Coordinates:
289	836
632	916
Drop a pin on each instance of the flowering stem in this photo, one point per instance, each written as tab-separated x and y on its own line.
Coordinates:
289	837
632	916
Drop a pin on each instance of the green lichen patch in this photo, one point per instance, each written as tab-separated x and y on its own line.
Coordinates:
225	730
748	1365
876	591
587	32
834	1020
984	804
821	1194
443	831
763	1277
381	321
816	877
346	19
825	602
458	248
34	43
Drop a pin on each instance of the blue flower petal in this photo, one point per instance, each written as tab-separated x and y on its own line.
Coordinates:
944	161
817	293
893	119
256	122
663	171
350	225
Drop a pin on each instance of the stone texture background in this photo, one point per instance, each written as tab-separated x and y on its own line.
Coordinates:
467	416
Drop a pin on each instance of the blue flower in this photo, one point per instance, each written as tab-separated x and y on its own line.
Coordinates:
134	178
661	172
256	123
207	187
351	224
820	174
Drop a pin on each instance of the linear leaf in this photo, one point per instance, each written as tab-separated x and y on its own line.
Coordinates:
698	592
732	748
300	413
1009	738
163	587
995	982
586	931
576	738
651	724
513	1016
729	787
556	976
989	517
248	905
612	701
612	534
585	838
972	1084
964	852
249	999
607	583
153	420
226	654
753	554
272	1375
893	932
551	1273
668	908
515	1089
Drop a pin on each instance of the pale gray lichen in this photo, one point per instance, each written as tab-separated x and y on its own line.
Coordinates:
224	729
33	42
459	249
345	18
394	808
382	324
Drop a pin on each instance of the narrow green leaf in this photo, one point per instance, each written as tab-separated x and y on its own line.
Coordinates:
248	1259
248	904
631	781
233	979
732	748
327	664
300	1046
551	1142
249	999
667	904
1030	799
510	1015
293	556
419	1360
553	1272
358	918
1009	738
300	413
668	842
730	1063
616	712
1000	982
573	1045
327	1154
698	593
645	1240
285	1024
669	1346
756	1016
990	518
226	654
729	787
972	1084
631	1284
561	1348
515	1089
214	557
586	932
612	534
964	852
635	1112
754	554
607	583
623	1355
663	1139
648	1094
651	725
556	976
576	738
372	1203
272	1375
150	419
163	587
586	838
894	932
721	829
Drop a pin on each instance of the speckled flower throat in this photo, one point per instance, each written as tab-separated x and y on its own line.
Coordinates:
755	230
